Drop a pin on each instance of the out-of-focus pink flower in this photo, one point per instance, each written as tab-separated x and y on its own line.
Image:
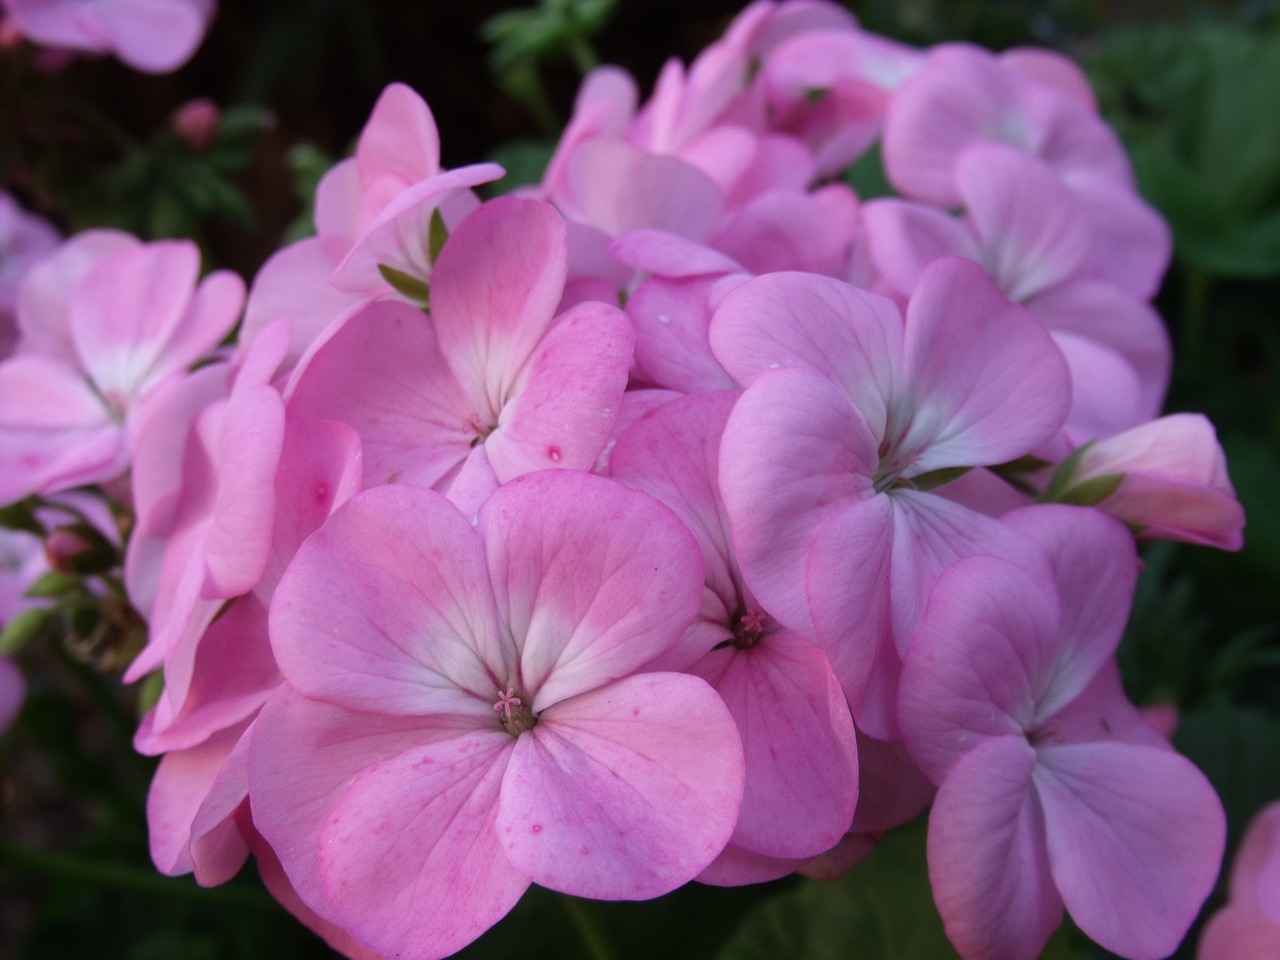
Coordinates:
196	121
24	239
154	36
1169	480
463	713
105	320
1249	925
1053	790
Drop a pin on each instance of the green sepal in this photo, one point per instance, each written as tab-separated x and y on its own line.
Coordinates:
53	584
938	478
1093	491
22	629
1063	476
149	691
437	234
409	286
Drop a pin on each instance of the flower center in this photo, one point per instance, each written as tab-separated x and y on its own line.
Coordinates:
481	429
516	718
749	627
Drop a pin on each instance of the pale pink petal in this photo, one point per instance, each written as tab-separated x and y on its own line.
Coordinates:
302	757
794	452
125	310
1031	227
850	336
736	867
605	104
397	236
410	859
400	139
619	188
567	552
669	255
791	230
294	283
671	317
560	411
987	381
1051	69
43	297
798	741
987	862
155	36
1135	838
181	783
495	289
387	608
1132	242
978	662
625	792
1095	569
382	373
905	237
219	845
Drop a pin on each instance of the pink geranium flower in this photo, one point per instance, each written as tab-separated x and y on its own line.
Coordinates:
1052	788
154	36
493	384
463	713
830	458
105	321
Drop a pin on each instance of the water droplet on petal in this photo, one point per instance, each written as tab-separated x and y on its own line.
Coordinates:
537	828
554	453
663	319
773	366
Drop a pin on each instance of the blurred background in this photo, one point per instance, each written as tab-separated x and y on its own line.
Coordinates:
1192	87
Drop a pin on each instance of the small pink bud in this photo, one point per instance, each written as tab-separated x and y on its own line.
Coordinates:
196	121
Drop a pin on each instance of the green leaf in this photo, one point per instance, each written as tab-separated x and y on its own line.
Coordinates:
412	287
22	629
1062	477
524	161
867	176
53	584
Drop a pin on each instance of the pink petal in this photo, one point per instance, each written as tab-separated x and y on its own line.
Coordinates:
1135	839
382	373
410	858
494	291
180	786
978	662
591	579
850	336
625	792
302	757
1031	228
672	350
1257	864
155	36
987	859
987	382
1237	931
736	867
127	308
387	608
795	451
619	188
400	139
560	412
797	737
905	237
1095	569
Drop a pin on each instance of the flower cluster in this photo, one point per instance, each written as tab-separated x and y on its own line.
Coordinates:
685	516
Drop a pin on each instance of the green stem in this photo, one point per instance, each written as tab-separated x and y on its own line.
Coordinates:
64	866
589	929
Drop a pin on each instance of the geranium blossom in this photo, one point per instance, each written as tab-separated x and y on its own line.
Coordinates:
154	36
1052	788
463	715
